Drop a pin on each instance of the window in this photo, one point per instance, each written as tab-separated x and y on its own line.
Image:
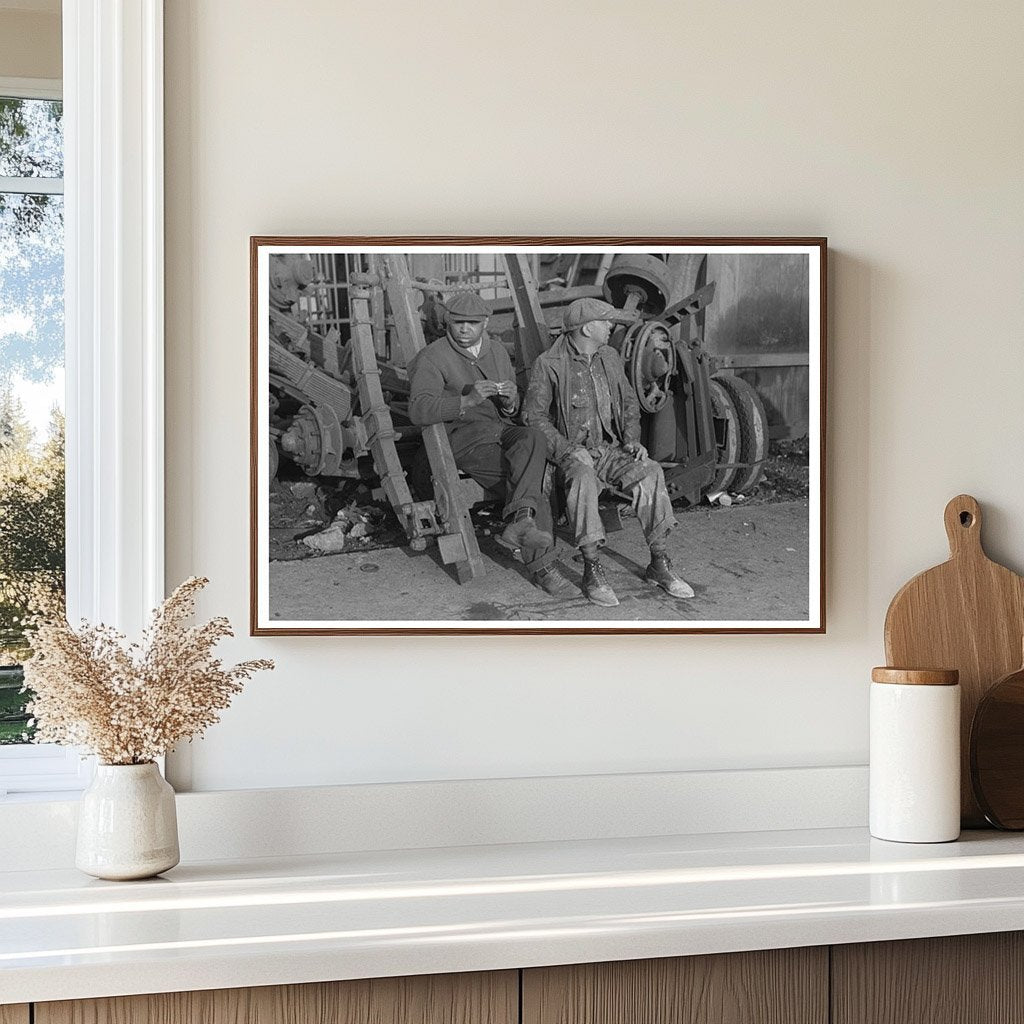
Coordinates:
32	547
113	332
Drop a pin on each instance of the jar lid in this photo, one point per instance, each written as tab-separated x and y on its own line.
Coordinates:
916	676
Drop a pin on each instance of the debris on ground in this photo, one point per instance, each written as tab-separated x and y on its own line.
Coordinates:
302	490
352	529
786	476
329	541
487	519
786	471
308	519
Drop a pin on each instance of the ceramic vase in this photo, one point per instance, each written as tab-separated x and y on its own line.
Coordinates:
127	825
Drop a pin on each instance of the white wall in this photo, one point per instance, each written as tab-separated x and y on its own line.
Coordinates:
894	129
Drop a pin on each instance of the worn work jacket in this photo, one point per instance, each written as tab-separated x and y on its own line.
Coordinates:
442	373
563	411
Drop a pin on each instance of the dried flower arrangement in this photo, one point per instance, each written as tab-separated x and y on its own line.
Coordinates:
129	704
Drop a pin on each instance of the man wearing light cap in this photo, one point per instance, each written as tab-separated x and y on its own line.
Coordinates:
580	398
465	381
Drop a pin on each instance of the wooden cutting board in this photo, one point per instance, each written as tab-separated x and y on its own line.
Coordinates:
967	614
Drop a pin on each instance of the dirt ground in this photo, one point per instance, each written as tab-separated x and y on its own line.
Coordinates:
745	562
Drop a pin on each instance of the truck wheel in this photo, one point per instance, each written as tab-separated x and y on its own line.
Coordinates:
753	421
727	434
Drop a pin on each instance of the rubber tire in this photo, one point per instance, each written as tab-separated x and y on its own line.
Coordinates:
753	431
724	408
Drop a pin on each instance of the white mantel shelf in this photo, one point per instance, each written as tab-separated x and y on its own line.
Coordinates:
224	924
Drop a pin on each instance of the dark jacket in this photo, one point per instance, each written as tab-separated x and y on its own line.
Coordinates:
548	405
442	373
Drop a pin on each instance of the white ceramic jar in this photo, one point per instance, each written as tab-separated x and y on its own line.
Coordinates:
915	755
127	823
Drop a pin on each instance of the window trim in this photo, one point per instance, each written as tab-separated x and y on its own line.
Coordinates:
32	88
114	332
113	169
43	768
30	186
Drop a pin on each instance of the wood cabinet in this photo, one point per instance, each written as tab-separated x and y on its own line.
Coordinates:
775	986
961	979
480	998
967	979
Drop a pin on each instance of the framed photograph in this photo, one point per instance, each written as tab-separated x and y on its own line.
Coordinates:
537	435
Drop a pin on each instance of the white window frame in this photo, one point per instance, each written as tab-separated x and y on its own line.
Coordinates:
114	344
37	767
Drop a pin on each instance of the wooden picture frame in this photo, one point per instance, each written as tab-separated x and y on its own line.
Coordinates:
336	323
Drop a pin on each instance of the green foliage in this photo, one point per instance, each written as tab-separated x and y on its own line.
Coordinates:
14	720
31	143
31	146
31	548
31	524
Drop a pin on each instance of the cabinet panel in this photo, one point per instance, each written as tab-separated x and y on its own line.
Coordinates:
480	998
777	986
14	1014
960	979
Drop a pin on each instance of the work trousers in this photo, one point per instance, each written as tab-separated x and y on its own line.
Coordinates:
612	466
516	463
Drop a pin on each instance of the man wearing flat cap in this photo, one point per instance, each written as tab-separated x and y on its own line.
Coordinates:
465	381
580	398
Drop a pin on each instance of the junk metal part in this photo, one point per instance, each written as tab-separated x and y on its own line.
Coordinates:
314	441
650	361
695	436
376	418
741	458
637	282
752	420
727	436
647	348
450	289
290	276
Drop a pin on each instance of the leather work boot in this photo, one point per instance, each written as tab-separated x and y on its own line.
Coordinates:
552	580
595	585
523	532
661	573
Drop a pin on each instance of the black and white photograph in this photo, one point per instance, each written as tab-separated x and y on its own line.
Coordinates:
537	435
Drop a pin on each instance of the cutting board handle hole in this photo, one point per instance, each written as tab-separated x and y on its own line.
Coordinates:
966	519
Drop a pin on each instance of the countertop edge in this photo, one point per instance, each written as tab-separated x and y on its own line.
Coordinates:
86	981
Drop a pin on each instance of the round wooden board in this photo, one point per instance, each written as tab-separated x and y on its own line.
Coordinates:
997	752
